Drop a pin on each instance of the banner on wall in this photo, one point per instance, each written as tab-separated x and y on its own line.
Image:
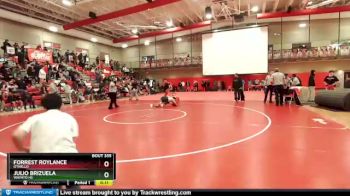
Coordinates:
40	55
10	50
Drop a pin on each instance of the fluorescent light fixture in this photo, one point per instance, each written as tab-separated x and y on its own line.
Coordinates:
302	25
134	31
323	3
147	42
124	45
179	39
276	34
169	23
208	13
208	16
255	8
48	44
53	28
309	3
93	39
67	2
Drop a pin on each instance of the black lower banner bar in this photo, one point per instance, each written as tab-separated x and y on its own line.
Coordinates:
134	192
140	192
67	182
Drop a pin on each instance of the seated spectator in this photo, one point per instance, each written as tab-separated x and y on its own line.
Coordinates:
331	81
13	100
295	80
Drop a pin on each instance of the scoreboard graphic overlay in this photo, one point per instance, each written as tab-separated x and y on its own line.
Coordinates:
61	169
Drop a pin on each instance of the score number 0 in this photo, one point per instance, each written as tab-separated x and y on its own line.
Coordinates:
106	164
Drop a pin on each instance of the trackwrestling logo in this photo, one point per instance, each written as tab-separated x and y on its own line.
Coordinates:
8	192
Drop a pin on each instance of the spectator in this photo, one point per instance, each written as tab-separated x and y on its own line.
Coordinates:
4	46
312	85
68	92
331	81
268	86
42	75
295	80
37	69
53	87
278	80
238	88
195	86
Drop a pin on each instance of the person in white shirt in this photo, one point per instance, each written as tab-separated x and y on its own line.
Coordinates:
269	86
67	92
42	75
51	132
295	81
278	80
53	87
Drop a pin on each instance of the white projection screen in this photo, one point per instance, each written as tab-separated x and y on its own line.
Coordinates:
242	51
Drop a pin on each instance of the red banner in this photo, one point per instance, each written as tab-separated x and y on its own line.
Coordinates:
40	55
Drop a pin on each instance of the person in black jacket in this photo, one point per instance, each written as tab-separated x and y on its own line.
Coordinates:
238	88
312	85
4	46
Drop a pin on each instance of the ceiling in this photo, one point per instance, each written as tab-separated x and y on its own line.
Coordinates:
185	12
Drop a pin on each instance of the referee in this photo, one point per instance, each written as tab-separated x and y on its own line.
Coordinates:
112	93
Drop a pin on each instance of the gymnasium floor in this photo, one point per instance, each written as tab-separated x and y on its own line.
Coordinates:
209	142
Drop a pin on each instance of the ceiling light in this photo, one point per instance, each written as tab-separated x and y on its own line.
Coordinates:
53	28
147	42
134	31
169	23
323	3
48	44
208	13
309	3
276	34
179	39
93	39
302	25
124	45
67	2
255	8
208	16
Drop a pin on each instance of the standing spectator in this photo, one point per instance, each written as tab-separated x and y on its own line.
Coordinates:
331	81
16	46
312	85
42	75
68	92
195	86
269	86
238	88
4	46
278	80
66	56
52	87
134	90
188	86
37	69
